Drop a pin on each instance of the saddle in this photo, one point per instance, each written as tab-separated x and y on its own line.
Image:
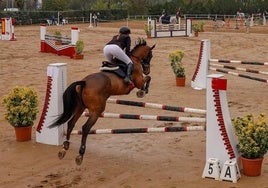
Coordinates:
117	67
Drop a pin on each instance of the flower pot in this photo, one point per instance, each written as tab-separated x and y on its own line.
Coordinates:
23	133
149	36
180	81
196	34
78	56
252	167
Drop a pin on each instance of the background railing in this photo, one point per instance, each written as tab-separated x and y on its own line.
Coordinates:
37	17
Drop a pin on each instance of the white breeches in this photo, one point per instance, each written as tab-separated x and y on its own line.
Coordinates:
112	50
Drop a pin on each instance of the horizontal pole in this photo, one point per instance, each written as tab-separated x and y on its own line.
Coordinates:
239	62
150	117
142	130
156	106
239	75
239	68
60	38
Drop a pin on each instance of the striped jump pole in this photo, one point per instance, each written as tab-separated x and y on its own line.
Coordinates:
142	130
150	117
239	68
239	75
157	106
239	62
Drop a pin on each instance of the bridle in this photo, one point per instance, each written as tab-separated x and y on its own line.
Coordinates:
145	62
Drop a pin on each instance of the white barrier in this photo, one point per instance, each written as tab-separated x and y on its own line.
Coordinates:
7	29
47	44
171	30
255	18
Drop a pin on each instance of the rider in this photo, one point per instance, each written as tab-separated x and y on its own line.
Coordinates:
115	49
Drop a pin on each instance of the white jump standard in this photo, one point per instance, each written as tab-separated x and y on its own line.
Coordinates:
56	84
7	29
220	138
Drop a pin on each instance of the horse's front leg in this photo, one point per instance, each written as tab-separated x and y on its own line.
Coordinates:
145	88
147	84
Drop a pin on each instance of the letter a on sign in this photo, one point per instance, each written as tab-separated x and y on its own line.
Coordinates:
228	173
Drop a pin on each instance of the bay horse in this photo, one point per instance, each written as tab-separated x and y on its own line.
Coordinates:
92	92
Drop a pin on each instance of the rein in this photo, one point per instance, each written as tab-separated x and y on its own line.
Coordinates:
136	57
143	61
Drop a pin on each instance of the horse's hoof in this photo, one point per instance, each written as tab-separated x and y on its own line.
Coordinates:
66	145
79	159
140	93
61	154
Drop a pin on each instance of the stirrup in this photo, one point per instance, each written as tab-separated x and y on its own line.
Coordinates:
128	80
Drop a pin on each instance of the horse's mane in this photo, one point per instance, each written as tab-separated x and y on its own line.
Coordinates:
138	43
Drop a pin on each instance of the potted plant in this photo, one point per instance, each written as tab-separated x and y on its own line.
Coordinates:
79	47
57	35
196	29
148	30
175	59
20	106
252	134
201	24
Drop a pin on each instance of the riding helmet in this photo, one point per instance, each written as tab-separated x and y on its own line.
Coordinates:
124	30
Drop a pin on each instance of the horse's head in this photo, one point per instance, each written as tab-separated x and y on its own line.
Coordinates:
143	53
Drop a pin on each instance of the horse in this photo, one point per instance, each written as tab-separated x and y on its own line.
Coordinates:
92	92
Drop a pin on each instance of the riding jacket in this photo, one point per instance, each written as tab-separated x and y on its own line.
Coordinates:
123	41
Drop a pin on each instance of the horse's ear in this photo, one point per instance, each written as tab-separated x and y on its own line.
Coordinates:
153	46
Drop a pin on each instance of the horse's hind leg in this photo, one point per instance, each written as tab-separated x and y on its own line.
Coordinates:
70	126
85	130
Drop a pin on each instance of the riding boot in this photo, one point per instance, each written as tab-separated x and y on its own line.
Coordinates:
128	78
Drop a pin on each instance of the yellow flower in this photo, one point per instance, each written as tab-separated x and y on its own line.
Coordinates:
21	106
252	134
175	59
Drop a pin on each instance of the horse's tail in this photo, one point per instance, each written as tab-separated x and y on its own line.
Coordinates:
70	100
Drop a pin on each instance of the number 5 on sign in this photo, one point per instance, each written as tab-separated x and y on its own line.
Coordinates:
212	169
